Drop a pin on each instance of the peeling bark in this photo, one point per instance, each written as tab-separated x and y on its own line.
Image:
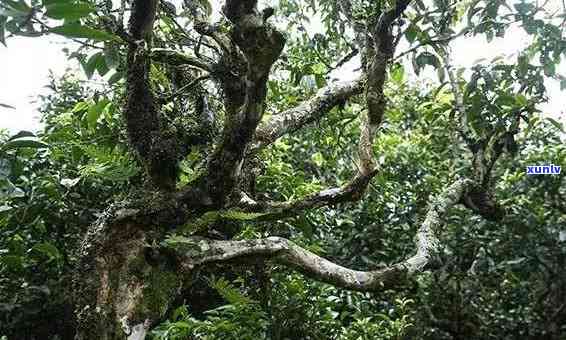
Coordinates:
379	50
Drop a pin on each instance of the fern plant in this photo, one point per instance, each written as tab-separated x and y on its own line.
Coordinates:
241	319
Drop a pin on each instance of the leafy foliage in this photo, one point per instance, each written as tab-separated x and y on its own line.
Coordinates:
53	186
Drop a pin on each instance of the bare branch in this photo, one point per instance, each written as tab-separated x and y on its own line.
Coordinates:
307	112
176	58
198	251
380	53
352	191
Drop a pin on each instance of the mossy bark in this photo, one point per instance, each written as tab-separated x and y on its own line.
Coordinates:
119	285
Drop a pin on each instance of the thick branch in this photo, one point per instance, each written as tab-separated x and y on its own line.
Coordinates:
157	151
380	51
307	112
197	251
388	17
261	45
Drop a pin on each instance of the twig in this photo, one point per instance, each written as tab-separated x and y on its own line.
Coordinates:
185	87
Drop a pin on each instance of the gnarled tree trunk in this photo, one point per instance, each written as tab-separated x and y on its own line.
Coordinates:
128	277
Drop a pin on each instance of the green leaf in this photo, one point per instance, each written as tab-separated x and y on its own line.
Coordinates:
319	68
48	250
23	143
7	106
549	68
22	134
524	8
69	11
556	123
318	159
425	58
305	226
523	65
9	190
80	106
3	20
12	8
320	81
96	62
563	84
75	30
94	112
115	77
521	100
52	2
398	73
411	33
230	292
13	262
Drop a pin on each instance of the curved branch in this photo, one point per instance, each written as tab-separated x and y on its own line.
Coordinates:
198	251
381	52
307	112
352	191
176	58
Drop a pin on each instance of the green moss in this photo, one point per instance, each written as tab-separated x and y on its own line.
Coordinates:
161	286
136	266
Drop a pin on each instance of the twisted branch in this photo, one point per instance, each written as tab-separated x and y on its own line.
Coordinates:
197	251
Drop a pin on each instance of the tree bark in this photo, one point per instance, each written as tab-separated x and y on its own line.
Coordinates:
120	288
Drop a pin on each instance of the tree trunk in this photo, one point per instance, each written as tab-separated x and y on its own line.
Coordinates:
121	286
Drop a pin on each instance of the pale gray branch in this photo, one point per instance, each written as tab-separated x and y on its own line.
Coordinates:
380	53
351	191
307	112
198	251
